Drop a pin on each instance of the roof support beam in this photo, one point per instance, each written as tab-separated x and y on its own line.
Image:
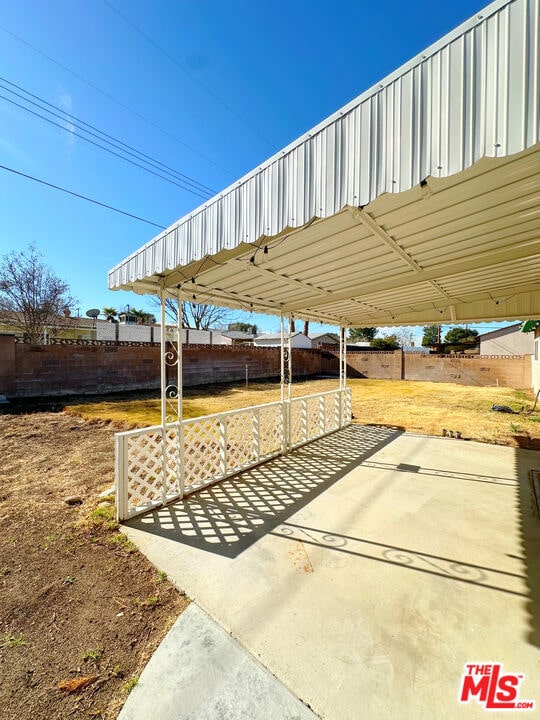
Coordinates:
370	222
285	278
522	304
209	295
446	270
439	289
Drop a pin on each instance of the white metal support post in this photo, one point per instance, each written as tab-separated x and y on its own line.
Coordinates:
163	337
289	384
284	433
344	357
342	351
289	360
344	393
180	386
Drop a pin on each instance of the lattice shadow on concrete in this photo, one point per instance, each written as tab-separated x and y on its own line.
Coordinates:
229	516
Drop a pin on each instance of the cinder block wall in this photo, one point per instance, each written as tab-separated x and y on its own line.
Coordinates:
7	365
506	371
380	365
54	370
477	370
203	365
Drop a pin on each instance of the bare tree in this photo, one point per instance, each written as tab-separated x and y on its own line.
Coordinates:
196	315
404	336
32	298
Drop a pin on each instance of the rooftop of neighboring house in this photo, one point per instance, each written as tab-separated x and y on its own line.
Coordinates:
274	336
499	332
319	337
237	334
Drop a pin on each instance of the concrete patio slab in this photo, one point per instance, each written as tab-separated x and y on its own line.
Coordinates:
199	671
367	568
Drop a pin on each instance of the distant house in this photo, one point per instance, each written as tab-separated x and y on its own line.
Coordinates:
536	361
238	337
65	326
324	339
507	341
298	340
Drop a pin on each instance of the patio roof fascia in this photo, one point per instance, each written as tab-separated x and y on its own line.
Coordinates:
473	94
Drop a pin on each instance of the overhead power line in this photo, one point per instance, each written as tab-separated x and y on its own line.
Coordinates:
82	197
102	147
170	175
116	101
189	74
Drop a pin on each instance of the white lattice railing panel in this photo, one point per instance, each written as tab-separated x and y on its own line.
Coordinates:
203	451
297	422
145	469
145	465
173	464
313	409
270	429
331	413
346	407
217	446
240	446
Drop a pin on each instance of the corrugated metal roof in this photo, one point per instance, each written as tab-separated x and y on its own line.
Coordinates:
473	95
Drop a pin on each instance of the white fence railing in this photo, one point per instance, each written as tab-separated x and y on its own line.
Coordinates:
150	472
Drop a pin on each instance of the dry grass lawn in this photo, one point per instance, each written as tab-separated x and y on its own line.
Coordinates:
422	407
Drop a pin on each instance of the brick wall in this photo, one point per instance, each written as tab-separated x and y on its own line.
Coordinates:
513	371
203	365
381	365
506	371
7	365
53	370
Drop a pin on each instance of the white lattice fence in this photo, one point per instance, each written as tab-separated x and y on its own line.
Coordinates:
270	430
217	446
346	407
313	416
203	451
140	466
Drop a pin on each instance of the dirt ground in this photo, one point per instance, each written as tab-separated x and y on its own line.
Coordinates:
76	600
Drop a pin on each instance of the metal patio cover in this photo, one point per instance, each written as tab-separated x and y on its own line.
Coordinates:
418	202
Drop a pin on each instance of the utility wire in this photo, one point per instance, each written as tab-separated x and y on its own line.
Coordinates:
82	197
102	136
115	100
189	74
92	142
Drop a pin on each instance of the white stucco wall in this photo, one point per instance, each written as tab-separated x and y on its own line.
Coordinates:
297	341
536	362
507	342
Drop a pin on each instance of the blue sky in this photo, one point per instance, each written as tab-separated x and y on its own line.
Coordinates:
247	79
